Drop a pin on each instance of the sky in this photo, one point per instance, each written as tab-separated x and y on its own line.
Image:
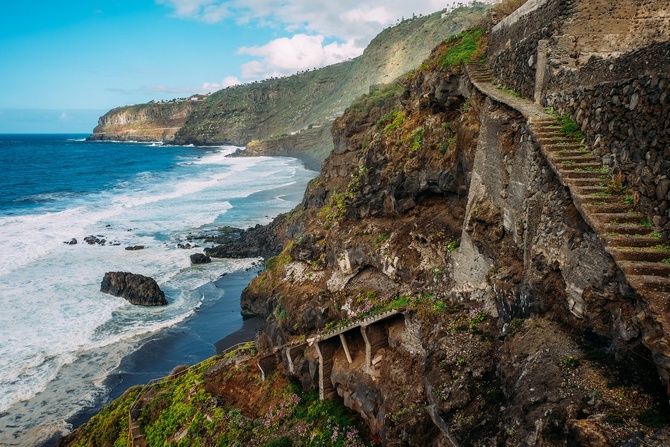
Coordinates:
64	63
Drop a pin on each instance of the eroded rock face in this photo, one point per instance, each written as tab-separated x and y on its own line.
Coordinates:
137	289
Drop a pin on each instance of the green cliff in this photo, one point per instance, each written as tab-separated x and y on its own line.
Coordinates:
284	110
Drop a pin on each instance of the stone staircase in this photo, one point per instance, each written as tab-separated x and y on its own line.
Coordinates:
638	251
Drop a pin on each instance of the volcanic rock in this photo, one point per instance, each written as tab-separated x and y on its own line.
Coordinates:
137	289
200	258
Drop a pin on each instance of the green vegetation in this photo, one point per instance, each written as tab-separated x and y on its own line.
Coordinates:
335	207
110	426
382	238
570	362
461	48
452	245
570	127
508	91
377	97
416	138
292	418
617	184
391	121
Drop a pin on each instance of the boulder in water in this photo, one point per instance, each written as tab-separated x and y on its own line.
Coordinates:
137	289
199	258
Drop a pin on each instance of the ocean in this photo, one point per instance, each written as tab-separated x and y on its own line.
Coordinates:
64	345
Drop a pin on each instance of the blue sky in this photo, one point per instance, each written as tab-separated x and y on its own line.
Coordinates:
65	63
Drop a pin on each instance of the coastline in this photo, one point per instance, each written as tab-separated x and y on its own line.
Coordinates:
217	325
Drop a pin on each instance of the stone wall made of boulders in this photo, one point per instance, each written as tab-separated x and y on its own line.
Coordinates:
628	124
513	48
646	61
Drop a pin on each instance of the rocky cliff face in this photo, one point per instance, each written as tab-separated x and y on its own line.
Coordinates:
517	323
146	122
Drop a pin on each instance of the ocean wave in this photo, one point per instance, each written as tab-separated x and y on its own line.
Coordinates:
46	197
58	326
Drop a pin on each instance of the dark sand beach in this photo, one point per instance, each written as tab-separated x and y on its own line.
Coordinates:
216	326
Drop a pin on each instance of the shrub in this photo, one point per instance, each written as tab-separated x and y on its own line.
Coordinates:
570	127
284	441
461	48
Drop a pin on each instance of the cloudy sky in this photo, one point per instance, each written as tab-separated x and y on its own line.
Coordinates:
64	63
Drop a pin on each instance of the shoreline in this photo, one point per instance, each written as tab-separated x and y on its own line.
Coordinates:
217	325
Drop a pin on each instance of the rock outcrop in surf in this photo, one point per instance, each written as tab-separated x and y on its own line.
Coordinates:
137	289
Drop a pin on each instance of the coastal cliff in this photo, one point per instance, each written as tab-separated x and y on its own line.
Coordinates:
278	114
481	261
145	122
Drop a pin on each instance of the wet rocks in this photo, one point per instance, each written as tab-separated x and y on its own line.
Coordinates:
200	258
137	289
95	240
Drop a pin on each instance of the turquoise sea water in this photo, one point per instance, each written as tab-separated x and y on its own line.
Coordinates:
60	337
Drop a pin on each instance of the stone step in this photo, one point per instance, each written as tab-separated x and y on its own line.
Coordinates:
645	268
621	229
544	119
650	284
651	254
573	166
621	218
588	181
606	208
618	240
585	174
552	139
548	132
575	156
599	200
597	191
558	146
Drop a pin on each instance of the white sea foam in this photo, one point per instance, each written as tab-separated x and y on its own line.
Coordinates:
60	337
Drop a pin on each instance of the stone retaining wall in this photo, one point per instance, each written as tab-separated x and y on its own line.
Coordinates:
628	124
513	47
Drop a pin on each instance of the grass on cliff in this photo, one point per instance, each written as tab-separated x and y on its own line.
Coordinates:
283	415
467	46
223	402
378	96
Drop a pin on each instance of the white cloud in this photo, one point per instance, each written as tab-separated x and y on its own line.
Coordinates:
322	33
345	20
285	56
